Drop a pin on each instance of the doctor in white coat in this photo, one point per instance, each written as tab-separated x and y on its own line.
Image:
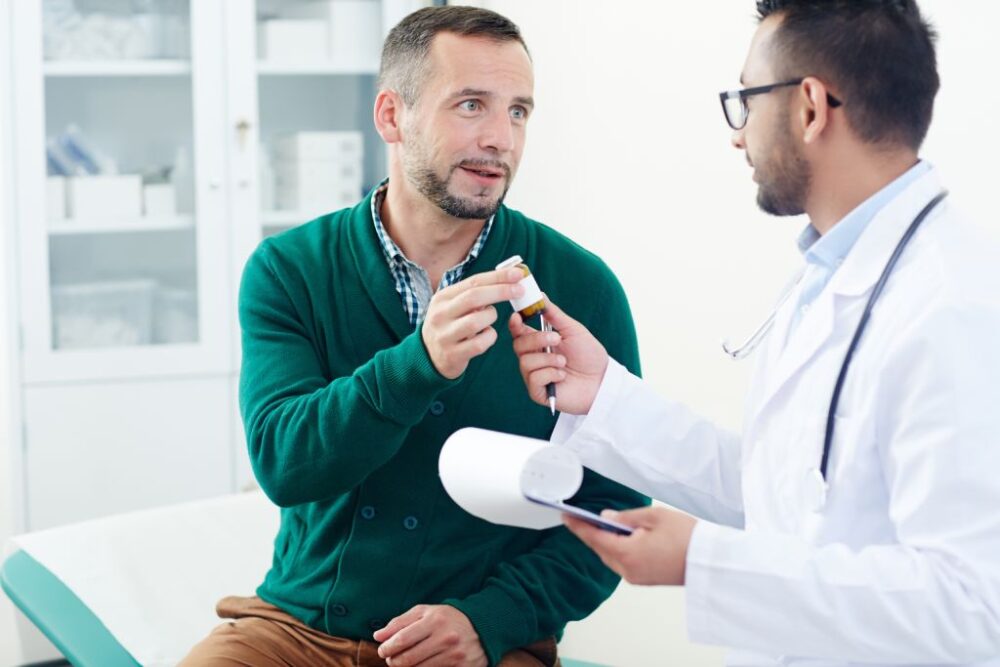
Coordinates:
891	554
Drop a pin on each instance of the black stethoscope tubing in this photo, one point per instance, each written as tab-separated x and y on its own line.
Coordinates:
863	323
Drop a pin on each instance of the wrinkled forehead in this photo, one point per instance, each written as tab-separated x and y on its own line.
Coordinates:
481	63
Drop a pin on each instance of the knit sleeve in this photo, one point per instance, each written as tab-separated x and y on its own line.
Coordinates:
311	438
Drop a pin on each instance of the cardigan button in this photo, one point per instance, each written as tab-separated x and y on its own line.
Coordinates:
367	512
410	523
437	408
339	610
376	624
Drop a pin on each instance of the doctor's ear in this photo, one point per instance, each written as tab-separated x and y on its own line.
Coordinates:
814	112
389	116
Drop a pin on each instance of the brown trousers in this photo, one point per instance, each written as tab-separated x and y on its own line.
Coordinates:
262	635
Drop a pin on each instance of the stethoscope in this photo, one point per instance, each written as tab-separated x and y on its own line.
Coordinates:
816	480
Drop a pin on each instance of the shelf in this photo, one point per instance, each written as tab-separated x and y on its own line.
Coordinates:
71	68
282	68
159	224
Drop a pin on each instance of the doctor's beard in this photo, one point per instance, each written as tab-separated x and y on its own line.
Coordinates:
784	178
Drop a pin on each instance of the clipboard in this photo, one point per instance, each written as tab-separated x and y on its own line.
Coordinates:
585	515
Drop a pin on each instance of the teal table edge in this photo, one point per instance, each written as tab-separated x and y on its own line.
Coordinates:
60	614
69	624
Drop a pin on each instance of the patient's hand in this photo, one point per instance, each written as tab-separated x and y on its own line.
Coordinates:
431	636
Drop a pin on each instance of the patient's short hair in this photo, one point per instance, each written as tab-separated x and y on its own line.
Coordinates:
404	54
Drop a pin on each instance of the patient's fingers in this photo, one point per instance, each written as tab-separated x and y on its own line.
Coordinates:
400	622
406	640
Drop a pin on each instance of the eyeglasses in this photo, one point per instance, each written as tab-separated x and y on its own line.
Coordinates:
734	102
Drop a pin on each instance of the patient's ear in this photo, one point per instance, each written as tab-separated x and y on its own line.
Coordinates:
389	110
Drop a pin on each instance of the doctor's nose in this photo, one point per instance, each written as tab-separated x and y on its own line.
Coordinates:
737	140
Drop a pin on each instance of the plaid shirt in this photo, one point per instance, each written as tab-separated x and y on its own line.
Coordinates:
412	282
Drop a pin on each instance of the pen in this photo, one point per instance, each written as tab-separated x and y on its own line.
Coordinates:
550	388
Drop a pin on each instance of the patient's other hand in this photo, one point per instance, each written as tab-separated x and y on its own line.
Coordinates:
431	635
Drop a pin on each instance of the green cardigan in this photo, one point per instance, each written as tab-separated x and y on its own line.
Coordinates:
345	416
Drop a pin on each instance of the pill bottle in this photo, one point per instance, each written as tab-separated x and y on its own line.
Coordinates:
532	301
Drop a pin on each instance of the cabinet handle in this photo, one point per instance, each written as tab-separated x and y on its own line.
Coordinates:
242	130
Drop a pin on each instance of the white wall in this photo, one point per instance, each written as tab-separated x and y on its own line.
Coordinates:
628	153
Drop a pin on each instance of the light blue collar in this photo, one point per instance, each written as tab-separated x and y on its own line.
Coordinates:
829	250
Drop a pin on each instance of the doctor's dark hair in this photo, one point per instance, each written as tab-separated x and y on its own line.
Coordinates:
878	55
404	54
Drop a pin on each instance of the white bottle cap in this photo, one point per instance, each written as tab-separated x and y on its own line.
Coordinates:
532	293
510	262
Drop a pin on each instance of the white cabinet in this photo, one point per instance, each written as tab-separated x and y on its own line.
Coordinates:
155	143
131	445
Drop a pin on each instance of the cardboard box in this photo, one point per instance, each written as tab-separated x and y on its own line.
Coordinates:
105	198
339	146
316	173
159	200
317	201
299	40
354	29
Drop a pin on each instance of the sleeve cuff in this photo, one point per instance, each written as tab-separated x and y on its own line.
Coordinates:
698	581
581	432
498	621
411	380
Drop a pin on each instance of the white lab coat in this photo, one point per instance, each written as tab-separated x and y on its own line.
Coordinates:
902	565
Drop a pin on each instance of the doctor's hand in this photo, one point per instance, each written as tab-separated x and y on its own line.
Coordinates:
460	317
655	553
431	636
576	364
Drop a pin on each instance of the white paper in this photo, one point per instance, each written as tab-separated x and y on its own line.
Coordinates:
487	474
153	577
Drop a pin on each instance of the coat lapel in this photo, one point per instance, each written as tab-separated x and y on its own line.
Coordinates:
852	281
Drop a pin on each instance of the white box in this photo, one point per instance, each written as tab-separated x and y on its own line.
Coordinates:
291	198
105	198
292	40
55	197
102	314
159	200
354	28
316	173
356	34
341	146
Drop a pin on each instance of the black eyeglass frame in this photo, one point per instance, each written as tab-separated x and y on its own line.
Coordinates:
742	95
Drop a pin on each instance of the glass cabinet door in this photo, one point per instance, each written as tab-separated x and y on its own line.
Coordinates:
122	211
316	65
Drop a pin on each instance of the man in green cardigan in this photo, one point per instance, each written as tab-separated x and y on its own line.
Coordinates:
368	339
